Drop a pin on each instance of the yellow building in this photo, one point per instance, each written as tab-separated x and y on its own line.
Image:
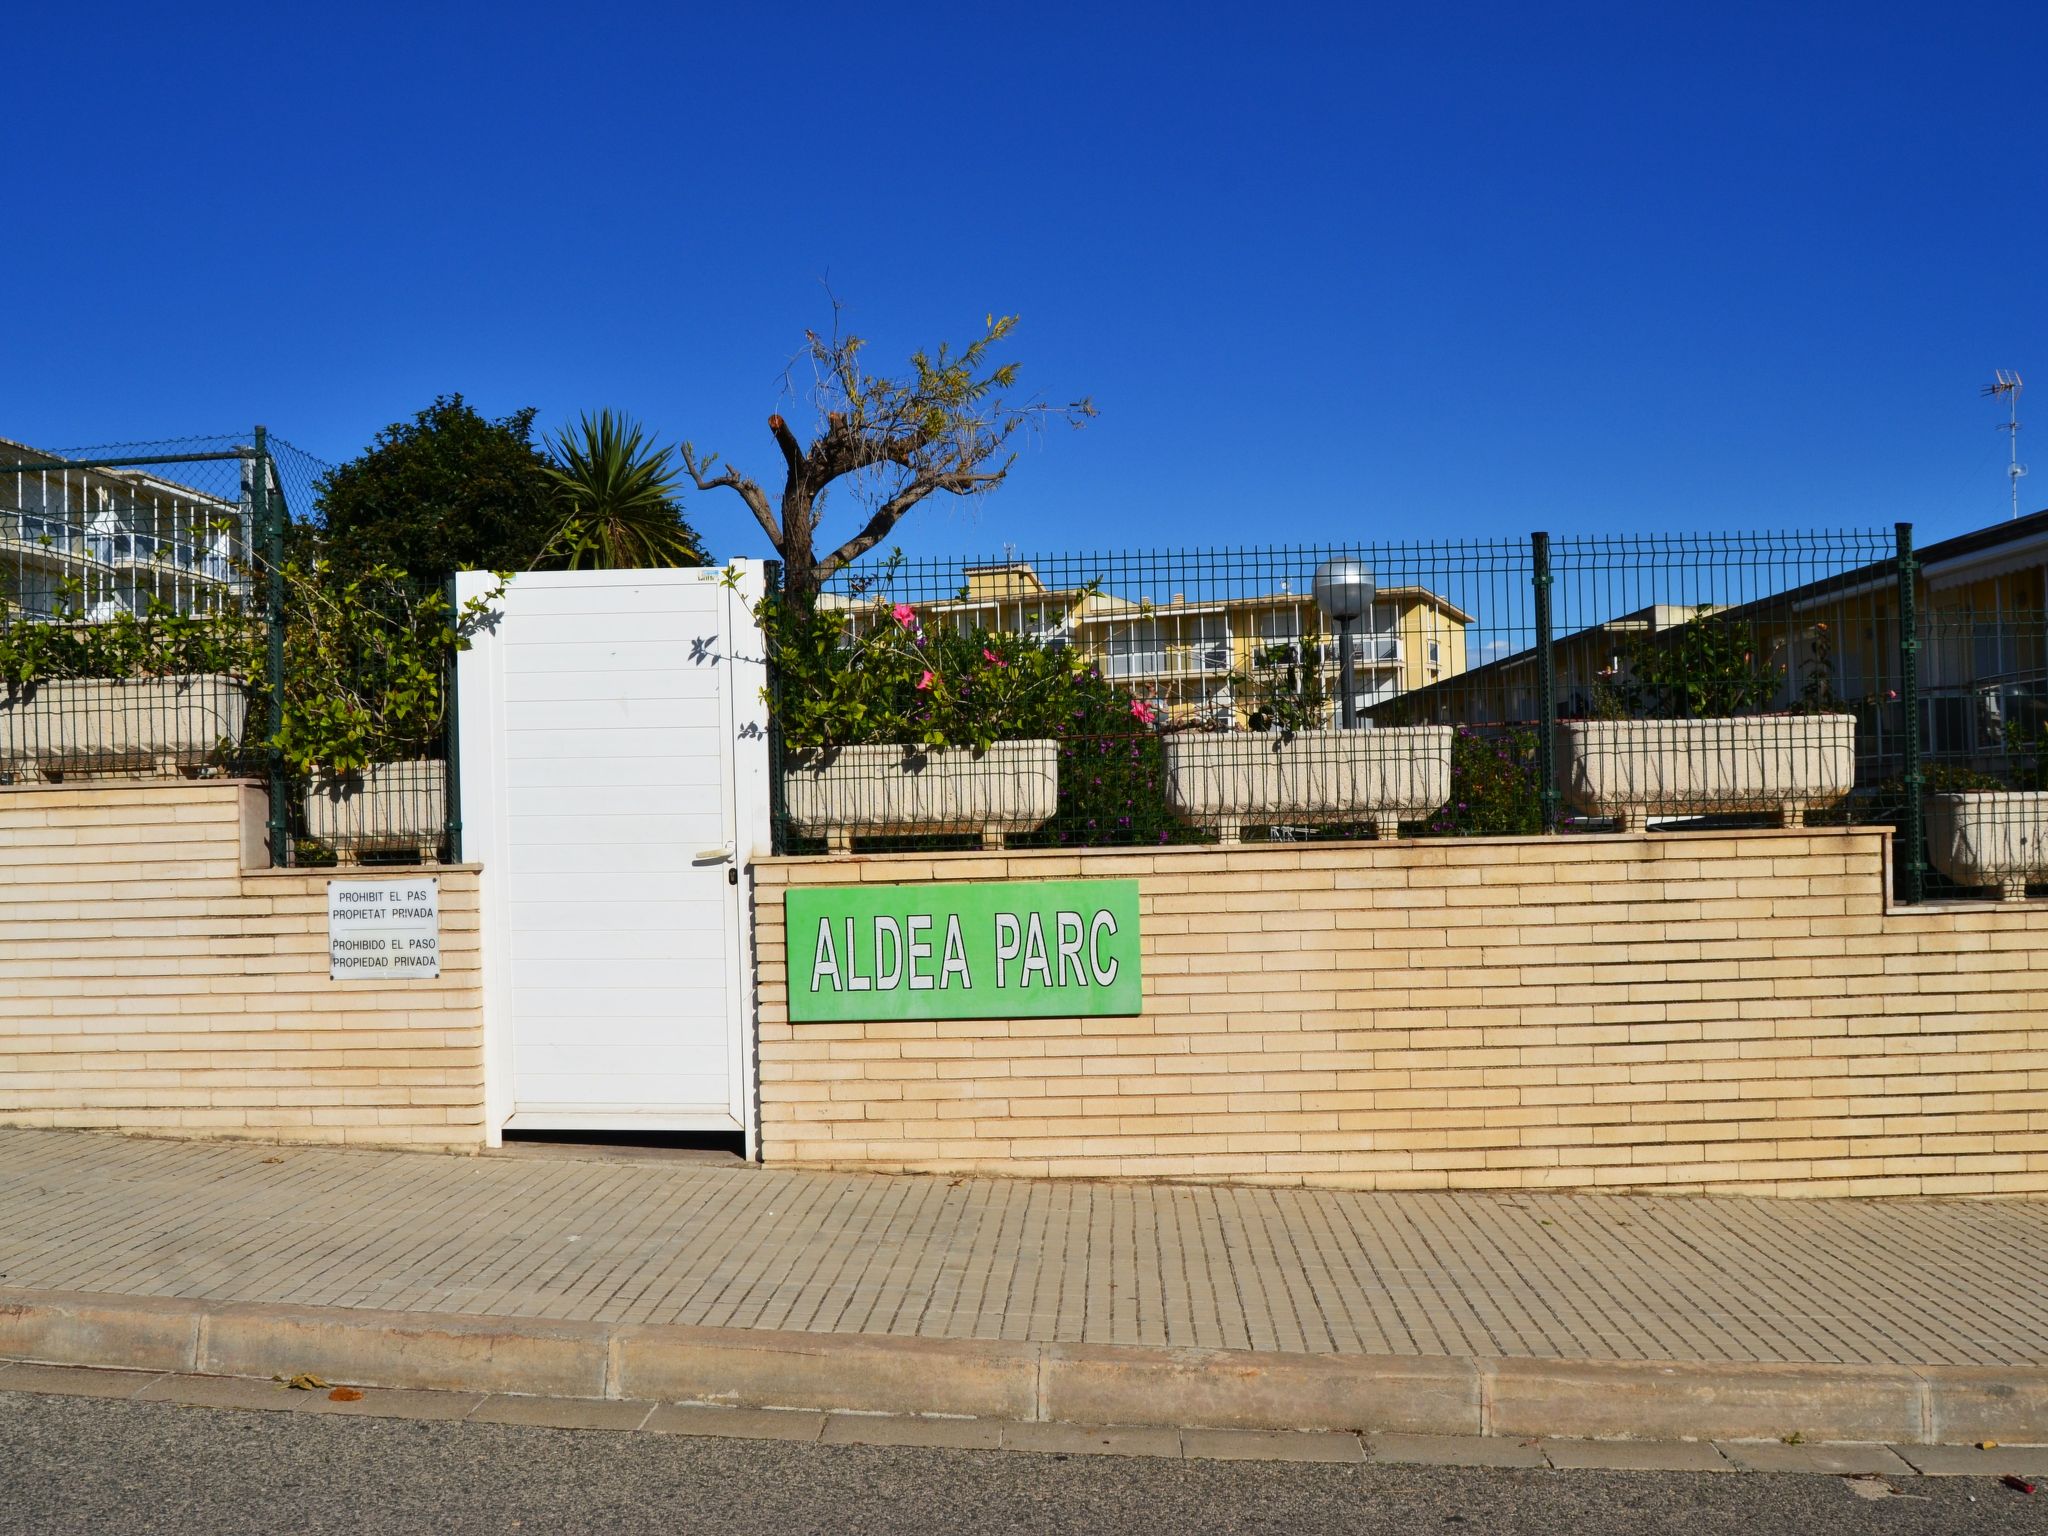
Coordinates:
1197	659
101	542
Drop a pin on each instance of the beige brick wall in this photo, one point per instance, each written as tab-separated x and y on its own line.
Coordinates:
1733	1011
149	983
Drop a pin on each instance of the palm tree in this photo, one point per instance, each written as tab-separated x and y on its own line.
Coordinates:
615	499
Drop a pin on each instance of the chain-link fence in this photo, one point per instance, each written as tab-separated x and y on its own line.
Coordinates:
165	611
1453	688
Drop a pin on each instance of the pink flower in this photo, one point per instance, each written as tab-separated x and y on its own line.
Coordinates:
926	681
904	614
1142	712
992	658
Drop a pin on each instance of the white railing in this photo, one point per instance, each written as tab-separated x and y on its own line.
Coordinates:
1366	651
1207	659
33	537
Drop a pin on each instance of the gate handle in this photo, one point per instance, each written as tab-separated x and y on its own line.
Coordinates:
711	855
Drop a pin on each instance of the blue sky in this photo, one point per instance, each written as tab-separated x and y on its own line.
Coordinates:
1329	272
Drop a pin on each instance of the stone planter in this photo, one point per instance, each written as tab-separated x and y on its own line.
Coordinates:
387	808
1785	765
163	725
1990	838
897	791
1223	779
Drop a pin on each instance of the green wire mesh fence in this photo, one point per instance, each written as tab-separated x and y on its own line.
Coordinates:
165	613
168	609
1449	688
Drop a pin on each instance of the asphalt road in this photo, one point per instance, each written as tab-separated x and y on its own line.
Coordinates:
80	1464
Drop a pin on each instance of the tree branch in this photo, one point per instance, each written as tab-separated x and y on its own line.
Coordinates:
890	513
752	494
792	450
840	452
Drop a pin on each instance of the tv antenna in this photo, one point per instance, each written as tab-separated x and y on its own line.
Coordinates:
2008	385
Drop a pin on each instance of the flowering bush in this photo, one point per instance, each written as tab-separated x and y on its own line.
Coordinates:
881	675
1496	789
1112	773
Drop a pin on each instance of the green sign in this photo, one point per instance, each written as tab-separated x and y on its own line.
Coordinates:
974	950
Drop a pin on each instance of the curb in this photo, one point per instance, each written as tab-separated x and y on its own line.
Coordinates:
1023	1382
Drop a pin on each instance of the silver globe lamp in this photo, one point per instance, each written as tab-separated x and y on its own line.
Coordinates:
1344	590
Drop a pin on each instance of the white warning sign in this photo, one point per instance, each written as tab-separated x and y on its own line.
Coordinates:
379	929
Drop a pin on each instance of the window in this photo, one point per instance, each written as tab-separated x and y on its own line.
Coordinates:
1137	651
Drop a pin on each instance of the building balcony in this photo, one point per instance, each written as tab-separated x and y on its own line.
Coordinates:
1210	659
53	546
1366	651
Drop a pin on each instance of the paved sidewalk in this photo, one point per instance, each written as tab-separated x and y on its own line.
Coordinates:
1552	1277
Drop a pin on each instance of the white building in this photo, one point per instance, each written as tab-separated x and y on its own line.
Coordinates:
95	543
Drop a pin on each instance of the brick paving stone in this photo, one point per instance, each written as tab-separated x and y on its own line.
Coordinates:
681	1240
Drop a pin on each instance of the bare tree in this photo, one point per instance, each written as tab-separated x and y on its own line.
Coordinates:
943	425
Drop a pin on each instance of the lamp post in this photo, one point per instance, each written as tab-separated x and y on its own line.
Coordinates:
1343	589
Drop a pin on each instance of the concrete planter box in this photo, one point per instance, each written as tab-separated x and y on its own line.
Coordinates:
1990	838
1786	765
1222	780
387	808
163	725
898	791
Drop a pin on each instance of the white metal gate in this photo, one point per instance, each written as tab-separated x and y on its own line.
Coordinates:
614	788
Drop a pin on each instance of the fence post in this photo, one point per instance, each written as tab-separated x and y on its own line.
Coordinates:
266	514
771	589
451	730
1546	681
1915	870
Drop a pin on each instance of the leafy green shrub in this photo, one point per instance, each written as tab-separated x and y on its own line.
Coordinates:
368	661
367	652
162	643
1710	667
1699	670
1284	692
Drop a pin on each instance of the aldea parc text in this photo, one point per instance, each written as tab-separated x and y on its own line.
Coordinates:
910	952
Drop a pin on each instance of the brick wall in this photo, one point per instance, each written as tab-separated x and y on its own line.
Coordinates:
1681	1012
151	981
